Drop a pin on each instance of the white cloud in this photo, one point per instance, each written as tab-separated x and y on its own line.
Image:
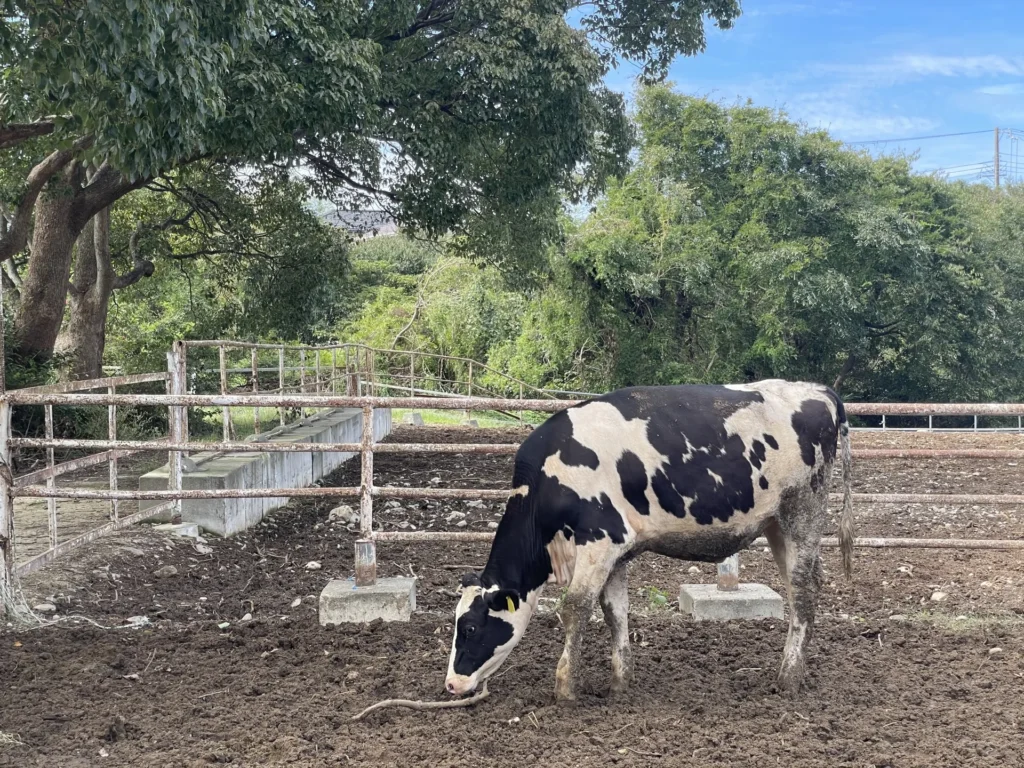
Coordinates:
849	125
927	65
1009	89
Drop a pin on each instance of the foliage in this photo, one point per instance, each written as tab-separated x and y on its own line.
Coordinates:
743	246
465	116
248	261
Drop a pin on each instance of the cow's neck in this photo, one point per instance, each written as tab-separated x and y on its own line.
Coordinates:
518	559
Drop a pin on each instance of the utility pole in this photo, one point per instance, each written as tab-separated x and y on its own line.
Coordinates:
996	164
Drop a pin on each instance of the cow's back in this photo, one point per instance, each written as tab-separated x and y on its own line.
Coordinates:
649	462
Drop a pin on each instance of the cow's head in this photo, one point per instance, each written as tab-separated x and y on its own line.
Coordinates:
489	622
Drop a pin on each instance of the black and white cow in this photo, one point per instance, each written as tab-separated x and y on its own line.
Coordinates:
691	472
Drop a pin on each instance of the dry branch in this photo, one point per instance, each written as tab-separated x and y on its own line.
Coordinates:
418	705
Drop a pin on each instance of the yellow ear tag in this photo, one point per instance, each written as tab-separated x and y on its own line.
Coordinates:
511	605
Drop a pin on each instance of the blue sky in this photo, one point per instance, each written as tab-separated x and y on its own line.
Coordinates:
869	70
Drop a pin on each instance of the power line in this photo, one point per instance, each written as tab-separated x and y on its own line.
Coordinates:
922	138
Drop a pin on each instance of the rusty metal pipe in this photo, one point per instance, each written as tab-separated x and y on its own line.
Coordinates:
20	397
66	546
261	447
828	541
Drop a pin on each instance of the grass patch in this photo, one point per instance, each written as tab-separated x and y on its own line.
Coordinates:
965	622
486	419
656	598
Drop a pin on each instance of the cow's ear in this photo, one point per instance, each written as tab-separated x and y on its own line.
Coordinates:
503	600
470	580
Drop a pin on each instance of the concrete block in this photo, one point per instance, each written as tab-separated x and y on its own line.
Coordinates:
415	418
706	602
392	599
186	530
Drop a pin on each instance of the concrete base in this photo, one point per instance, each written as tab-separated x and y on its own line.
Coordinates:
187	530
706	602
342	602
415	418
226	517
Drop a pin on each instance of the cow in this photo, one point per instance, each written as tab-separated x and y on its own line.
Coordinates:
690	472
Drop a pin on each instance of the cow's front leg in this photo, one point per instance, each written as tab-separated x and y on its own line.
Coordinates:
594	563
615	605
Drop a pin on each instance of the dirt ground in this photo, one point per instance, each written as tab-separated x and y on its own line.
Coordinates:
230	665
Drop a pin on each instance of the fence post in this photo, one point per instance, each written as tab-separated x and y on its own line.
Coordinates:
318	374
51	482
729	574
302	380
412	375
115	511
352	388
255	389
176	385
225	411
6	507
280	381
366	549
334	371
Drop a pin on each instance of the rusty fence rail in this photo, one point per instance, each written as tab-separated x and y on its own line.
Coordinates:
178	400
53	469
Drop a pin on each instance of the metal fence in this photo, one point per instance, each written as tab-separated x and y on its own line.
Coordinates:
178	400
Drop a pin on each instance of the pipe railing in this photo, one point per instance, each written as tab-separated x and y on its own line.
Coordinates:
179	444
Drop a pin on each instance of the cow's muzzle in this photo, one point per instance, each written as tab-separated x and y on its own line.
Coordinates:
459	685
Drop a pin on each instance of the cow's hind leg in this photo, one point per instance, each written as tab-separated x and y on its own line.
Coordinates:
795	542
594	563
615	605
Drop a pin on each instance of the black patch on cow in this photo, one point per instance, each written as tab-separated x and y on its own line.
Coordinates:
633	475
840	408
670	501
575	454
757	453
763	482
687	424
478	634
814	426
772	442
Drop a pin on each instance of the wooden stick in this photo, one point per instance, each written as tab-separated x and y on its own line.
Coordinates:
409	703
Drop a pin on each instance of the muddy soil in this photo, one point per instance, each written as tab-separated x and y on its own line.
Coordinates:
919	662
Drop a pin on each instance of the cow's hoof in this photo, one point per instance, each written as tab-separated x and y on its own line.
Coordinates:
618	687
567	703
790	684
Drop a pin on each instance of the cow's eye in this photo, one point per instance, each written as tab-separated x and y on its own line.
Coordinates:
470	629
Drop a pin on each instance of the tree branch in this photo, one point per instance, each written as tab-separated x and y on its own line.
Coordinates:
17	233
331	168
143	267
13	134
401	333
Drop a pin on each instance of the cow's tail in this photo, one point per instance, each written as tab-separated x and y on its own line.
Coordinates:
846	516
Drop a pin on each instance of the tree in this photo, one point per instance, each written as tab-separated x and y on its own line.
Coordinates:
744	246
238	256
464	116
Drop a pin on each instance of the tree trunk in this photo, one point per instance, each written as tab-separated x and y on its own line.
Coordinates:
84	336
45	285
846	370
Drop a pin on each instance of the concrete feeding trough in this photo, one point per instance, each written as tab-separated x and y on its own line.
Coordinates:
218	470
729	599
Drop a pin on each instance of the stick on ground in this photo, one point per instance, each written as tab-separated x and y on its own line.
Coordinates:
410	704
